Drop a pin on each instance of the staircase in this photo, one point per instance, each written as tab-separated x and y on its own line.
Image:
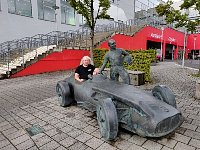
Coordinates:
18	54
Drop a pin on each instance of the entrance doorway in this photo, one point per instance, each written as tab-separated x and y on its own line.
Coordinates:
169	52
153	45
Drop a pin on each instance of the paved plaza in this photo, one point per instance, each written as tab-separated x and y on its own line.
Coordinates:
31	101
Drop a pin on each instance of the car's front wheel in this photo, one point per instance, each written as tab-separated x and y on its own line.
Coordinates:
107	119
64	94
164	94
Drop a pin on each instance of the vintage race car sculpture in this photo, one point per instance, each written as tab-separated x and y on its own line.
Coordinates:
118	104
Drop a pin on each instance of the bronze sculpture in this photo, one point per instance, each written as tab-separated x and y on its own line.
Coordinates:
116	57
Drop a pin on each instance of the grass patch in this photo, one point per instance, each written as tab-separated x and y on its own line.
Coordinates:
196	75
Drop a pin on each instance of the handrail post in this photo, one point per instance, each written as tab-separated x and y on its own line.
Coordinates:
8	57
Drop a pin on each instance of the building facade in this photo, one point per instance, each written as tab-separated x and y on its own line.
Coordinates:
26	18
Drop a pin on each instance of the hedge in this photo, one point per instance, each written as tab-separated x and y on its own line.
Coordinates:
142	60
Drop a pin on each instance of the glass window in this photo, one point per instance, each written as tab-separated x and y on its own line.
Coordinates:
82	20
46	10
67	13
20	7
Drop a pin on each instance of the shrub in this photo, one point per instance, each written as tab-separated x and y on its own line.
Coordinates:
142	60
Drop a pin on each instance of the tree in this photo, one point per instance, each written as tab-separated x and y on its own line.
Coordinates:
176	16
180	19
86	9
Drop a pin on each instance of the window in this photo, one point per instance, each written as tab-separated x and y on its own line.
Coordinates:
67	13
46	10
20	7
82	20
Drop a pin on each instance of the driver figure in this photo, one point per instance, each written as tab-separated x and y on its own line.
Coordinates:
85	68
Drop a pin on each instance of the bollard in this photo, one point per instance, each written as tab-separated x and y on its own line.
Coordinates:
197	95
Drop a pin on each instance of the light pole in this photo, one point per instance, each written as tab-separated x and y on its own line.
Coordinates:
185	38
184	48
55	8
161	43
195	37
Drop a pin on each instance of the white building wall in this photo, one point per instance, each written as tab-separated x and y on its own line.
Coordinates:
14	26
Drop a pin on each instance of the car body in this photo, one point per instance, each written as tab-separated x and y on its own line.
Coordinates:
119	104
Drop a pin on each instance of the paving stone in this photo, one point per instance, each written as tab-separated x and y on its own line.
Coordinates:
33	148
189	126
195	143
196	122
6	127
67	129
20	139
2	137
96	134
122	144
198	129
61	148
74	133
50	146
150	145
94	143
16	134
37	136
84	137
89	148
4	143
38	122
47	127
180	130
60	136
52	132
10	131
137	140
53	121
61	125
25	145
192	134
67	142
4	123
106	146
45	117
89	129
8	147
166	148
181	146
42	140
78	146
195	117
57	115
181	138
168	142
135	147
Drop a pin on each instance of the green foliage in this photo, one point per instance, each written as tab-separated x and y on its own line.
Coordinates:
141	60
196	75
86	9
175	16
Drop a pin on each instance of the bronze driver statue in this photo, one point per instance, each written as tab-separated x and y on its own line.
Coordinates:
116	57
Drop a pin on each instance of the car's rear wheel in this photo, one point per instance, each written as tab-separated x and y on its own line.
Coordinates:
164	94
64	94
107	119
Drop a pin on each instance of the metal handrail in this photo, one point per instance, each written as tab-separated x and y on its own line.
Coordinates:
10	50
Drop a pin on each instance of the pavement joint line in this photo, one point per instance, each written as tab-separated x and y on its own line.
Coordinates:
187	67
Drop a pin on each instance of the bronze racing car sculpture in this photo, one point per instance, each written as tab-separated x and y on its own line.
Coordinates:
117	104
